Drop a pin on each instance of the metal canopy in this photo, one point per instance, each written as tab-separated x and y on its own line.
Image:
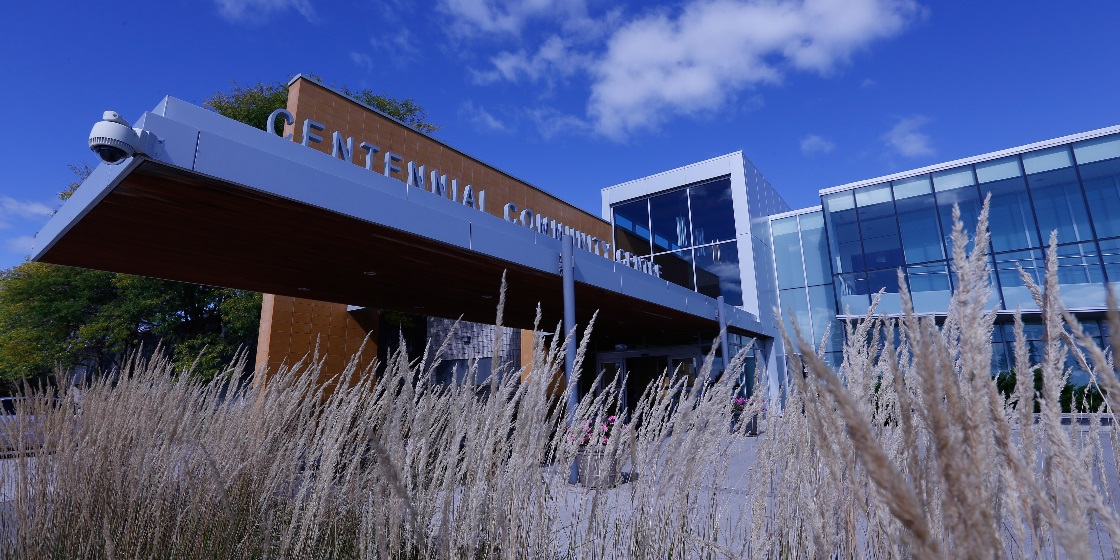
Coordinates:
224	204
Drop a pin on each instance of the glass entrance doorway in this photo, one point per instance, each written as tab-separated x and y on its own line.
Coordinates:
641	368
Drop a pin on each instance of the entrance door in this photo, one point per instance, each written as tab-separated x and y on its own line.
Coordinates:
643	367
641	371
609	372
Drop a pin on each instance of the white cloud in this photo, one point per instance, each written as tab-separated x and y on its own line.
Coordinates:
554	60
550	122
695	62
906	139
12	210
508	17
256	11
10	207
814	144
867	83
22	244
361	59
482	118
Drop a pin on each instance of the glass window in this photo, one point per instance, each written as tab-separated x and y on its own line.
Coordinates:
1097	149
1000	359
668	213
717	272
1031	331
878	226
713	216
1077	375
1102	187
1034	331
795	307
850	257
822	308
1080	276
875	194
851	290
1047	160
1011	219
885	251
815	249
886	280
929	287
969	202
787	253
676	267
915	186
843	232
1110	255
1059	205
921	234
951	179
834	359
1015	291
631	227
840	201
998	169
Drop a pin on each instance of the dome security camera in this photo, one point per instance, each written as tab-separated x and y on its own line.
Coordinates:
114	139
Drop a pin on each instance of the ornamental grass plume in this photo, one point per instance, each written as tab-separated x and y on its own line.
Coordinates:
376	463
907	449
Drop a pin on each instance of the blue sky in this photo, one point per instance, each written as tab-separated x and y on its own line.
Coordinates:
576	95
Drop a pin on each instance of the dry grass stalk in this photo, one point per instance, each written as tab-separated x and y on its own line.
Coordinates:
914	413
907	450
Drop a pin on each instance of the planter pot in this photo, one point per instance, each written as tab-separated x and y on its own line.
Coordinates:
597	468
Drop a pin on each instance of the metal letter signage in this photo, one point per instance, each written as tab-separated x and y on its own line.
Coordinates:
437	183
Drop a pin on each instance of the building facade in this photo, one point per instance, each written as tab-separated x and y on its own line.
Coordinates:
823	264
364	232
903	222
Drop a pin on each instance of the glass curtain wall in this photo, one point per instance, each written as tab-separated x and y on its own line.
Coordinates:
1098	165
804	277
1074	190
690	233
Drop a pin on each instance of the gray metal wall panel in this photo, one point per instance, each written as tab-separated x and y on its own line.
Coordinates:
212	122
177	142
368	200
595	270
519	249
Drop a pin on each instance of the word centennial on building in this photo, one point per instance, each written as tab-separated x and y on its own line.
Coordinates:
439	184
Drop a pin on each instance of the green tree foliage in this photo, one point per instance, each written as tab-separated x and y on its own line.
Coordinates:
62	317
250	104
404	110
81	172
253	104
59	318
1073	398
